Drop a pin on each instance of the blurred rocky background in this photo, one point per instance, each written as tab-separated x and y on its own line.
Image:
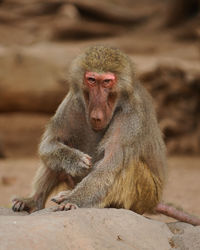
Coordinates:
38	40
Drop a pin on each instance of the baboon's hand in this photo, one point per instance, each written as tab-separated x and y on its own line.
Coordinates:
65	207
60	197
80	164
85	160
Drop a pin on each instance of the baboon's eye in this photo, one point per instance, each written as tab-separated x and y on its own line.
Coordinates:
107	83
91	80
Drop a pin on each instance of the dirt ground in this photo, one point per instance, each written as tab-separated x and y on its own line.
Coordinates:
182	188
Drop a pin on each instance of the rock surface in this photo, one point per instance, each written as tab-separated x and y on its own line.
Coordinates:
185	236
93	229
35	83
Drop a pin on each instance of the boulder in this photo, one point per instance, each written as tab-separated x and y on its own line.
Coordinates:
83	229
185	236
29	82
92	228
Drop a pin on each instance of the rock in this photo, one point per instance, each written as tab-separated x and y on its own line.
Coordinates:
31	23
186	236
178	227
21	133
111	12
2	149
29	82
177	94
93	229
82	29
83	229
9	212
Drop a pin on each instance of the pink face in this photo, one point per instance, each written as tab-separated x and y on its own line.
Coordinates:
100	97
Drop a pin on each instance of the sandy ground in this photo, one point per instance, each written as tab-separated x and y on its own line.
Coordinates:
182	188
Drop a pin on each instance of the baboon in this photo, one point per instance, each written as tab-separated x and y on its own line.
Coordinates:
104	141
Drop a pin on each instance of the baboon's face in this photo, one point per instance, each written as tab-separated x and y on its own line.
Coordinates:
100	98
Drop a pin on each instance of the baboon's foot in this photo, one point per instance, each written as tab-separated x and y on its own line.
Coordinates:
23	204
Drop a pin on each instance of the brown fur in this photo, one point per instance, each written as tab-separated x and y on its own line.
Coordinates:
135	188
